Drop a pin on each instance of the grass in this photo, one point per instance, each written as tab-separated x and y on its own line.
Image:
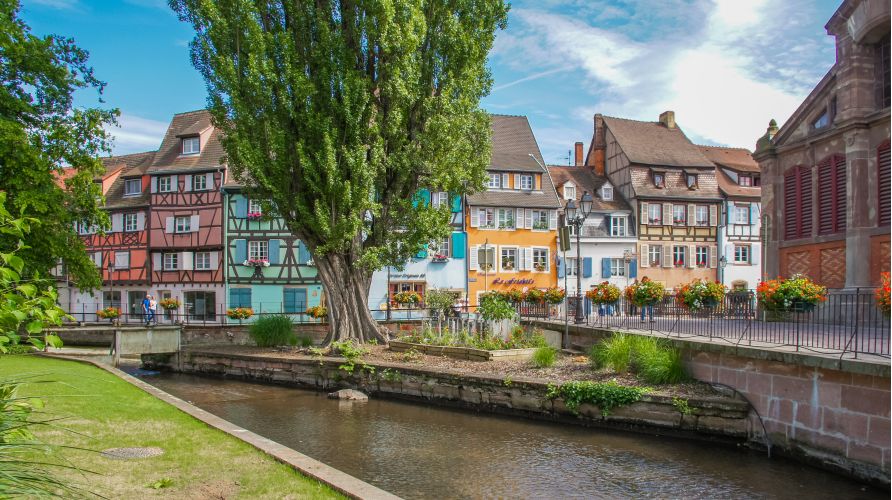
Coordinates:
273	331
654	360
107	412
544	357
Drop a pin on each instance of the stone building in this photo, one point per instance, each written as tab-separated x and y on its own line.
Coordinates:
825	172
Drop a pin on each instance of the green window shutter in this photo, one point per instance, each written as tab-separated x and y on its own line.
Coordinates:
458	245
456	203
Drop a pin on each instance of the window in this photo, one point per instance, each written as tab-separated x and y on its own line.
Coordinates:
130	222
659	179
745	180
617	267
741	214
832	195
617	226
440	249
655	214
702	215
200	305
495	181
702	256
797	203
506	218
678	255
509	259
202	261
571	266
691	180
191	145
679	215
132	187
540	259
255	208
540	219
655	255
741	254
122	260
487	218
606	192
569	192
526	182
294	300
170	261
821	121
439	199
258	250
881	68
200	183
486	258
183	224
165	184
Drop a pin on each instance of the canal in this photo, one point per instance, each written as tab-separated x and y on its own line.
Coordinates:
420	451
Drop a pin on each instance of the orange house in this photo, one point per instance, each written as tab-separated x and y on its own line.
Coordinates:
512	226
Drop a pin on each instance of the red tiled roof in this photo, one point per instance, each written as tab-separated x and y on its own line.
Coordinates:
651	143
169	156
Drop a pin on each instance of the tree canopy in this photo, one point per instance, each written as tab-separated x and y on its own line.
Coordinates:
339	112
44	139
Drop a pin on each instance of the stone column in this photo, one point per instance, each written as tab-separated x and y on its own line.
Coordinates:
861	206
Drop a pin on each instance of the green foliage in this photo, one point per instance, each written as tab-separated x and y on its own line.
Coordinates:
43	138
272	331
494	307
353	353
303	341
519	339
440	301
19	349
391	375
507	381
656	361
544	357
605	395
164	482
682	406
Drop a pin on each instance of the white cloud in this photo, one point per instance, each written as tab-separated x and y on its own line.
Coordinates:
137	134
528	78
57	4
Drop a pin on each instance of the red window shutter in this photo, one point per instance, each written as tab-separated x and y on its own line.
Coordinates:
791	214
805	202
826	181
840	195
884	178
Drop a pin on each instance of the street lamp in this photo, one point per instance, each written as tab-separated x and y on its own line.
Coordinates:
576	218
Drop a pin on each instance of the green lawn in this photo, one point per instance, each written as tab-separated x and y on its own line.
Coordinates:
200	461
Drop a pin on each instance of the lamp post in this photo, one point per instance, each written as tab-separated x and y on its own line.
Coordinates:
576	218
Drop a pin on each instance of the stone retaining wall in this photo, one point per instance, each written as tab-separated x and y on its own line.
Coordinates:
719	418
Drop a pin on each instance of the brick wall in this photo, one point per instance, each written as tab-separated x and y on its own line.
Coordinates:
824	263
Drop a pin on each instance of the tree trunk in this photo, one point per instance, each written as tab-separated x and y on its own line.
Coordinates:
347	293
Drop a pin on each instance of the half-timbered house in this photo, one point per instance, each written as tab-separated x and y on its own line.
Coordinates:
673	192
186	216
267	268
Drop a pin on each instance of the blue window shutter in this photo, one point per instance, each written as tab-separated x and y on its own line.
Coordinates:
303	255
458	245
300	299
588	306
456	203
633	268
241	207
241	251
754	213
605	268
288	305
586	267
422	254
273	250
240	297
561	267
422	197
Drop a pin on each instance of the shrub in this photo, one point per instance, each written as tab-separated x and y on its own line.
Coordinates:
795	294
614	353
19	349
440	302
303	341
654	360
273	330
544	357
662	365
605	395
493	307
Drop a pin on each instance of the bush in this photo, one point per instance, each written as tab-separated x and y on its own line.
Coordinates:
303	341
272	331
19	349
654	360
544	357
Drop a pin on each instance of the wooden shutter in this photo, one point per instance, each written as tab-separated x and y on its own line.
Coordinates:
528	259
273	251
174	186
791	209
691	213
193	223
156	262
586	267
518	218
884	178
472	258
241	251
713	215
667	255
605	267
691	255
667	214
528	218
117	221
169	225
713	256
186	261
187	183
644	217
755	253
516	181
645	255
154	185
241	207
458	245
475	220
140	221
214	260
552	219
505	181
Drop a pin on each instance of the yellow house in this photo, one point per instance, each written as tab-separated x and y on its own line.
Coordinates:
512	226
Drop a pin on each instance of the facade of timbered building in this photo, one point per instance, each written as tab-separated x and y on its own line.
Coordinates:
826	171
267	268
186	217
672	189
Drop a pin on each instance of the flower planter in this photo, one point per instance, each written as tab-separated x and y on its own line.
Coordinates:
468	353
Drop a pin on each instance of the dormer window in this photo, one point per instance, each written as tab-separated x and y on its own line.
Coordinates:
526	182
746	180
606	192
691	180
132	187
569	191
659	179
191	145
495	181
821	121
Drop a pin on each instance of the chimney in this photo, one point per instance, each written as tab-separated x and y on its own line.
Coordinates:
595	158
667	118
578	156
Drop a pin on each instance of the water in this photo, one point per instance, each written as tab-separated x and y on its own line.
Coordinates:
419	451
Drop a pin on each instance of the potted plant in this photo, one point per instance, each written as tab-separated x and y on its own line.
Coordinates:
109	313
254	215
645	292
239	313
440	257
256	263
700	293
534	296
554	295
317	312
796	294
882	294
514	295
170	304
603	293
538	266
407	298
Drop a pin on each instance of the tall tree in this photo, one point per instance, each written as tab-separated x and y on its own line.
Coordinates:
44	138
338	112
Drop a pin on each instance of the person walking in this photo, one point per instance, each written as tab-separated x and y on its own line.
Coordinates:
147	308
153	309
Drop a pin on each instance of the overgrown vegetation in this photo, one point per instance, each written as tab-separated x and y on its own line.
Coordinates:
544	357
353	353
605	395
519	339
682	406
654	360
494	307
273	330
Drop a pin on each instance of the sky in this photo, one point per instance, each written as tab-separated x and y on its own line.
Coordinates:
726	67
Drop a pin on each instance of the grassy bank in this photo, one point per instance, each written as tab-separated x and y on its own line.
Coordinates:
107	412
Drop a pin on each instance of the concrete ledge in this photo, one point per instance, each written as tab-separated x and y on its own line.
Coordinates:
336	479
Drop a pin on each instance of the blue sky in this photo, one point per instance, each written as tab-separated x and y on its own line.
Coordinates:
724	66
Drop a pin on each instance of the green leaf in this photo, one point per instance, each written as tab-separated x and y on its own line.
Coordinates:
54	341
35	326
27	289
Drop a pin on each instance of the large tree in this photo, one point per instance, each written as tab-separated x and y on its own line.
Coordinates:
44	138
339	112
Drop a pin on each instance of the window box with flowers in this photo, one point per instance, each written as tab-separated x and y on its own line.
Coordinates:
407	298
239	313
882	294
109	313
170	304
254	216
317	312
555	295
603	293
796	294
700	294
539	267
256	263
440	257
534	296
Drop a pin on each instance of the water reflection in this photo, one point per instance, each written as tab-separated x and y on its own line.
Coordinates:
417	451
